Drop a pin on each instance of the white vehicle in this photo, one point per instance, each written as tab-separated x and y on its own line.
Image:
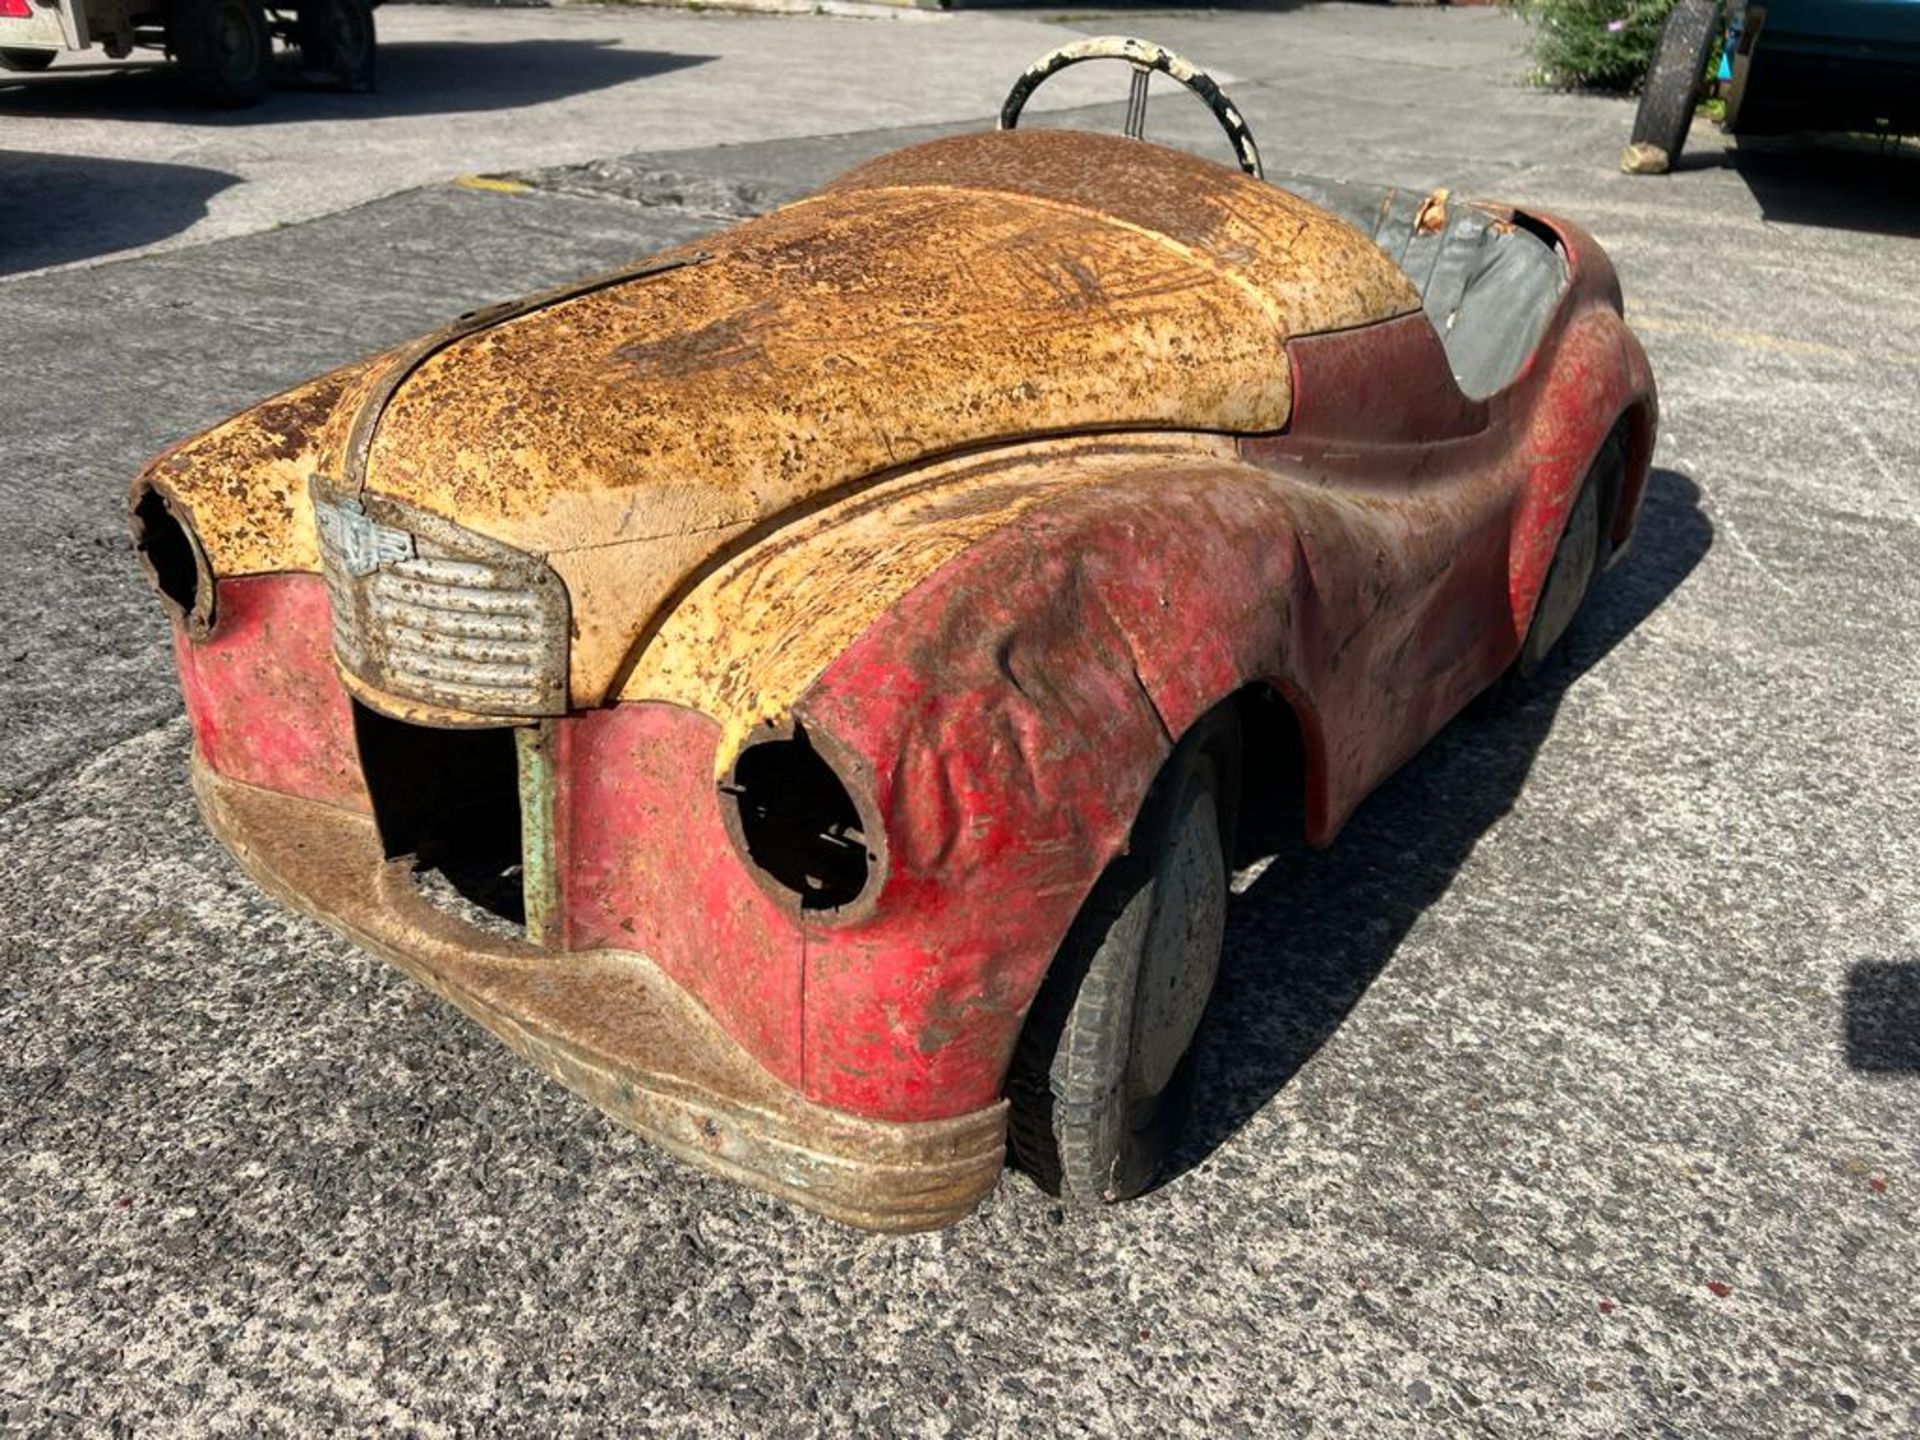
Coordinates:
224	48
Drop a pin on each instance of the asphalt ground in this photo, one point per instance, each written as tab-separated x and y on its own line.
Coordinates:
128	161
1574	1091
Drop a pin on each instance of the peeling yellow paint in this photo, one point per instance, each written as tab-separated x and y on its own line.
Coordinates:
988	290
245	480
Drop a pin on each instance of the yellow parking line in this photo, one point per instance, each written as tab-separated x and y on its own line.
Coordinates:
494	183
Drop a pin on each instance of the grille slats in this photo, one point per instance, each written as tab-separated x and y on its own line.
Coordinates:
429	611
457	599
405	640
481	625
455	575
441	666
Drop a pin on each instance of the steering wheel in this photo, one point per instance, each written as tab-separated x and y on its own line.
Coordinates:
1145	57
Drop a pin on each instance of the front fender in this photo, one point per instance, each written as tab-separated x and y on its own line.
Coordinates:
1012	711
242	484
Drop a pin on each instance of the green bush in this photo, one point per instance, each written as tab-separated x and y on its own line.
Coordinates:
1593	44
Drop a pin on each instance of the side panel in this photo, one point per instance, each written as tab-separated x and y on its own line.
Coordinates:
1599	375
1588	372
1016	705
266	705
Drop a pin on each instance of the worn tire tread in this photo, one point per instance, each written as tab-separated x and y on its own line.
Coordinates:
1673	81
1062	1128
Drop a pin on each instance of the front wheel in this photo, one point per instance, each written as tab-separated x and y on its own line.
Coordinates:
337	43
1101	1084
27	61
224	50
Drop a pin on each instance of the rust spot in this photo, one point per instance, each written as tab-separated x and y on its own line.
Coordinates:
1432	216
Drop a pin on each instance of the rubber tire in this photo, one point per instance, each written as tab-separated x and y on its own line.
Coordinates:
1096	1102
1672	87
26	62
224	50
1577	562
337	43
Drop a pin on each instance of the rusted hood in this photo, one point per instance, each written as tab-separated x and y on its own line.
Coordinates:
973	290
637	430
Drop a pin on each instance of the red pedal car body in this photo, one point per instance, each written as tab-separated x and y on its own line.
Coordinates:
799	691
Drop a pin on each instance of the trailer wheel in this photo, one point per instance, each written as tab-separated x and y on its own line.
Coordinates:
1672	88
337	43
26	60
223	49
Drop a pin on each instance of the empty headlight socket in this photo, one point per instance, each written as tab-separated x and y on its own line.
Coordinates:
170	553
810	837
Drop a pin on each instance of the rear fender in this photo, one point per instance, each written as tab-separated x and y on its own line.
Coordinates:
1600	381
1593	376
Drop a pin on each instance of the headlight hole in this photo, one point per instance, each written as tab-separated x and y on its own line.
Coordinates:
799	824
169	553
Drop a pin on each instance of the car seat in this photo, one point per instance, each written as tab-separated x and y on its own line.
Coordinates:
1488	285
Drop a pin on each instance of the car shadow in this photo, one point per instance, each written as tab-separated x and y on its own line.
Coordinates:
415	78
1840	182
1310	935
1883	1018
62	208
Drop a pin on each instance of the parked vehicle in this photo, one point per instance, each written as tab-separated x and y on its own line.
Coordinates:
801	690
224	48
1845	65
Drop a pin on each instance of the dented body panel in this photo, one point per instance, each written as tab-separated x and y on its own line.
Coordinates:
979	478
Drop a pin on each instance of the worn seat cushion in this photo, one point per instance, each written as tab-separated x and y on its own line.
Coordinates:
1488	286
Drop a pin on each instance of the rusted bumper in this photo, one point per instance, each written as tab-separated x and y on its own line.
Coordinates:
611	1027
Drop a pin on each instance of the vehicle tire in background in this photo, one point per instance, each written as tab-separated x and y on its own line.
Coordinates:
336	41
1101	1084
1672	88
26	60
224	50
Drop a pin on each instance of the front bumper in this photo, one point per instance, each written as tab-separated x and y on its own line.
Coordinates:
611	1027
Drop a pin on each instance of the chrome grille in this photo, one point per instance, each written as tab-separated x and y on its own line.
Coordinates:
426	610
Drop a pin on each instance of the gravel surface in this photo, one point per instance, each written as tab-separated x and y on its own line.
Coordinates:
1574	1091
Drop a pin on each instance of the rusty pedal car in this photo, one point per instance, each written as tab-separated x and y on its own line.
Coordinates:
799	691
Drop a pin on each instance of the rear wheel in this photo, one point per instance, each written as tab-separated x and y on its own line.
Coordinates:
337	43
224	50
1102	1080
1576	562
1672	88
26	60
